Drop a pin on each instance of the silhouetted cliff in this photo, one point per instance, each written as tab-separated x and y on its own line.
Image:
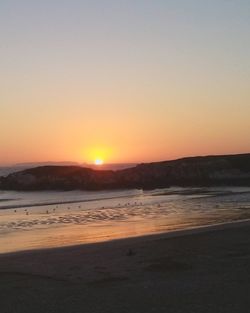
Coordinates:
193	171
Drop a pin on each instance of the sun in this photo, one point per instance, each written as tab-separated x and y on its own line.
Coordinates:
98	161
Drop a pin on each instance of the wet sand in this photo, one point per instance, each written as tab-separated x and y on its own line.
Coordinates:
203	270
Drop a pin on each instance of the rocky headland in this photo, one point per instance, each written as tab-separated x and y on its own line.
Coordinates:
191	171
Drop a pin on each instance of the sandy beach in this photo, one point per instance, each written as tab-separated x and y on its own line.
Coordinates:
202	270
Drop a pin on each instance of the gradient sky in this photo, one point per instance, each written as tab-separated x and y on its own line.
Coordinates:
126	81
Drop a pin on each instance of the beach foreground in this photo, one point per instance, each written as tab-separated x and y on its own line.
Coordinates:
204	270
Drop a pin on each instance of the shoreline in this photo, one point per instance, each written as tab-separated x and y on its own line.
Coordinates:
16	206
195	230
192	271
187	191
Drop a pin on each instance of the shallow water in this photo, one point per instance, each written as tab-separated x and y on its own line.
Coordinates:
32	220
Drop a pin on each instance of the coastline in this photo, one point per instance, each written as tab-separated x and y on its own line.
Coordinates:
193	230
199	270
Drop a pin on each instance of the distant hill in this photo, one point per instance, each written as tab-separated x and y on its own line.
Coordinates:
192	171
110	166
6	170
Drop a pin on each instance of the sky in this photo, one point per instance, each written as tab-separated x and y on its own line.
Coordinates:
123	81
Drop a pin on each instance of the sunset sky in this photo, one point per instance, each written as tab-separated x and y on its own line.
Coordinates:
123	81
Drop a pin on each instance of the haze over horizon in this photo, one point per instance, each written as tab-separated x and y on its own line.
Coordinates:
108	164
123	82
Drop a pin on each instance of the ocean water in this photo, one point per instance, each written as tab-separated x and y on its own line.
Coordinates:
33	220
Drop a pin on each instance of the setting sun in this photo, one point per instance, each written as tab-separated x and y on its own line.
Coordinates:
97	155
98	162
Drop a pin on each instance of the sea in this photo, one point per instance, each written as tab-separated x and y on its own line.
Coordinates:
49	219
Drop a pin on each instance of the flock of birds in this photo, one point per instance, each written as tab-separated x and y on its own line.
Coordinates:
79	207
46	212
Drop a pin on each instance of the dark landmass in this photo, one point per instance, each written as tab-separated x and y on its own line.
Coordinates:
193	171
6	170
110	166
9	169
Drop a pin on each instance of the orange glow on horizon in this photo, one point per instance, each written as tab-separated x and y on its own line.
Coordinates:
97	155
